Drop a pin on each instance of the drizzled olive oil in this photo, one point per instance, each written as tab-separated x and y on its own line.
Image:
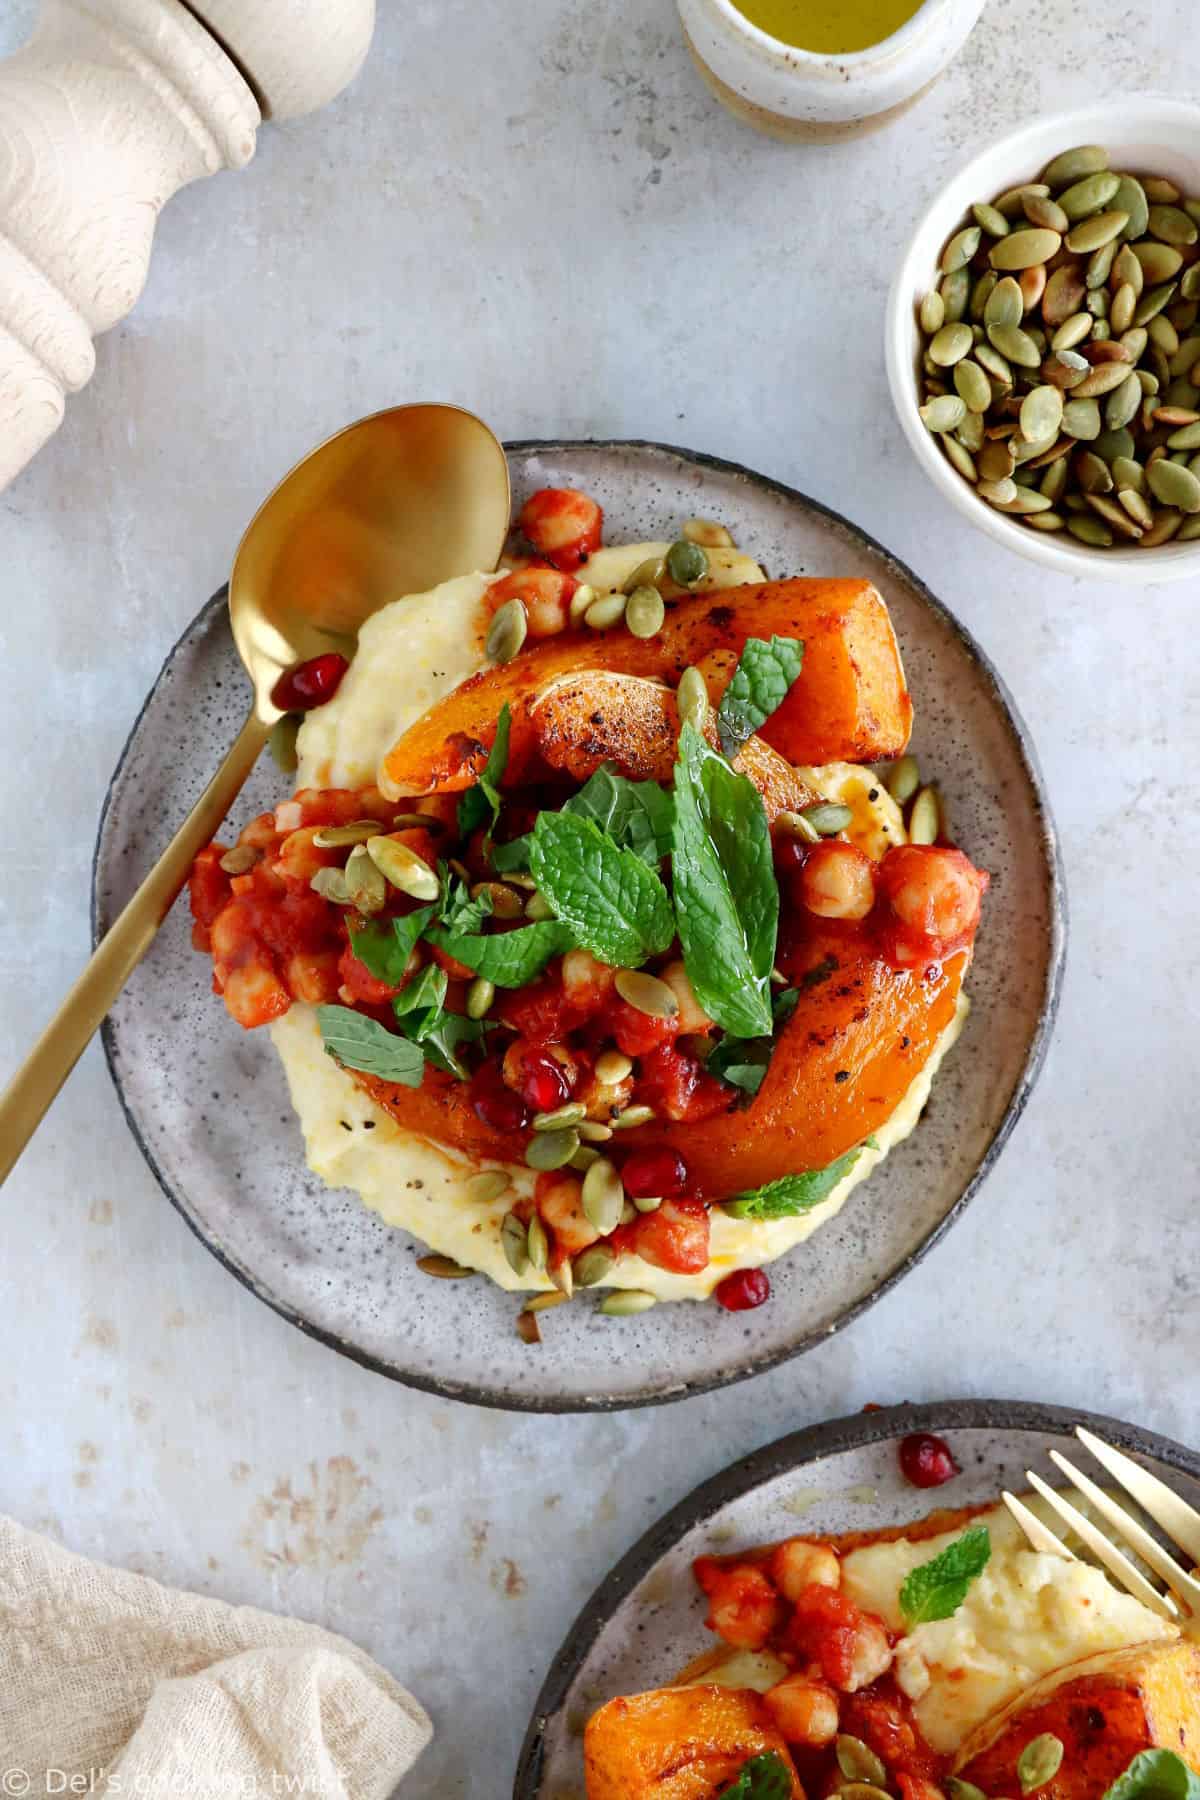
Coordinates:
829	27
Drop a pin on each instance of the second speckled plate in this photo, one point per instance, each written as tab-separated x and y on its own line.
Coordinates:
209	1105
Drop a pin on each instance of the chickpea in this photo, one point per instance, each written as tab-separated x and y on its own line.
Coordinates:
798	1564
837	881
870	1656
255	995
805	1711
312	977
563	524
560	1203
586	982
934	891
744	1607
545	594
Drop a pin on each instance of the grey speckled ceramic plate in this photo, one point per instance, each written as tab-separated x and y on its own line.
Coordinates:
646	1619
209	1105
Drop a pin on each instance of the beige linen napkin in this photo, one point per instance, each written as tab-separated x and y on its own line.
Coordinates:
138	1689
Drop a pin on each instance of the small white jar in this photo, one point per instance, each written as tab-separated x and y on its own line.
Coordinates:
792	93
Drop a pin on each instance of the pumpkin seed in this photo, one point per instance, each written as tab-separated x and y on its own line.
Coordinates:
1127	270
991	220
1163	334
646	993
1187	438
996	460
1040	209
960	456
625	1303
364	882
691	696
1123	402
507	632
1096	233
958	1789
827	817
537	1245
794	825
552	1149
485	1187
1044	521
1072	331
1189	287
858	1762
1160	191
1025	249
1092	473
580	600
606	612
560	1117
331	885
647	1203
970	433
1167	524
973	385
1103	379
646	610
924	821
1115	515
1073	165
1138	508
1081	418
1089	195
407	871
996	366
583	1158
514	1241
632	1117
1011	201
960	249
981	293
563	1277
860	1790
651	573
1032	283
1175	486
1054	481
955	291
1042	413
931	314
1111	444
903	779
1152	302
282	742
1171	225
1064	294
1124	304
1015	344
1005	304
710	534
506	903
603	1198
1039	1762
593	1264
1185	358
480	996
1025	500
612	1066
1097	304
1134	342
539	908
686	563
334	837
1090	530
1128	475
999	493
1130	198
444	1267
241	859
593	1132
1188	530
539	1303
950	344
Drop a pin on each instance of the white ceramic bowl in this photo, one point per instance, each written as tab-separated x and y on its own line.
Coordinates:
796	93
1160	137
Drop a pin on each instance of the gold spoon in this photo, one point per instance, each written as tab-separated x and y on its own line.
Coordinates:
392	505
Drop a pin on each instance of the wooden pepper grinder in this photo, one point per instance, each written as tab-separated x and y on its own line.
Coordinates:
111	108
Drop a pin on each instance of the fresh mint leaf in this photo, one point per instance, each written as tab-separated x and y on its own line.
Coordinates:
480	805
726	897
386	948
742	1062
764	1777
636	815
511	858
440	1044
936	1589
792	1194
783	1004
361	1043
509	958
458	911
614	903
418	1006
760	685
1156	1775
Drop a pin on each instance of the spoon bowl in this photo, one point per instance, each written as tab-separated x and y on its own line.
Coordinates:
392	505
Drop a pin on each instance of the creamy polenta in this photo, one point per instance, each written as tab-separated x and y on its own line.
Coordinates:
409	656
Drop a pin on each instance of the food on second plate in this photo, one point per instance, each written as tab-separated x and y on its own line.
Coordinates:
597	952
943	1660
1061	355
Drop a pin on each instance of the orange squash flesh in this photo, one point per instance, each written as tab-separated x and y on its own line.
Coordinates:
1105	1711
849	704
678	1744
874	1024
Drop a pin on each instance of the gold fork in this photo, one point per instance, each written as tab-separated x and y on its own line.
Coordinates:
1179	1521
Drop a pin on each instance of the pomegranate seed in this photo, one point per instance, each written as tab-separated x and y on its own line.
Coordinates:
743	1290
310	683
654	1174
496	1104
927	1461
544	1083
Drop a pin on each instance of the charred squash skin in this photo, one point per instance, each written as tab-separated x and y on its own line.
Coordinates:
849	704
866	1022
678	1744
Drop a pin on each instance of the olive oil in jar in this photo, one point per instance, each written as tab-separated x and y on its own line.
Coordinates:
829	27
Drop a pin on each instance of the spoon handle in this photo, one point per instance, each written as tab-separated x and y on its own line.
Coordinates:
25	1101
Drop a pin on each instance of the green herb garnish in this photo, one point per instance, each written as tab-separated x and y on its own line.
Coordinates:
764	1777
759	687
726	896
385	949
936	1589
509	958
792	1194
361	1043
1156	1775
481	803
637	815
615	904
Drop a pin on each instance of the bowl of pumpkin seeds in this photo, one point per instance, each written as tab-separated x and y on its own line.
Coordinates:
1043	341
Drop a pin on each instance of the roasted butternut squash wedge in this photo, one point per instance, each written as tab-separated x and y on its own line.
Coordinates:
850	703
1104	1711
678	1744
